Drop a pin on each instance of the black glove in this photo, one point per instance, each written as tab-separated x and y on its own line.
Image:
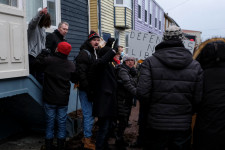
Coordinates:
46	52
110	42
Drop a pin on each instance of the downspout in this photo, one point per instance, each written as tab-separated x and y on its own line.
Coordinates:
99	17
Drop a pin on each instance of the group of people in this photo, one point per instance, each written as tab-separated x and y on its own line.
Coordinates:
170	86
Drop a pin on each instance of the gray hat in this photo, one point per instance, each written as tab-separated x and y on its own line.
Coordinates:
173	33
126	57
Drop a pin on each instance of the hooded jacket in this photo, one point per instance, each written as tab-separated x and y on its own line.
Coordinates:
170	86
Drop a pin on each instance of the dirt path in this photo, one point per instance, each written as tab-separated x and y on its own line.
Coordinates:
35	141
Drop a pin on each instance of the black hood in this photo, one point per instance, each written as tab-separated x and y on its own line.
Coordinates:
173	54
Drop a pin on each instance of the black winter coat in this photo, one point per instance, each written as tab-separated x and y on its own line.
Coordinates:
83	64
58	72
170	86
104	86
209	132
126	89
53	39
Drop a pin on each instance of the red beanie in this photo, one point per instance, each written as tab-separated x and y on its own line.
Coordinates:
64	48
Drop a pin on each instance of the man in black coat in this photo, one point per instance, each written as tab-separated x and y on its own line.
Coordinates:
87	56
53	39
170	86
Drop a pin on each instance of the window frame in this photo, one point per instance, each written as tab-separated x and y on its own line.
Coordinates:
156	16
57	14
140	6
146	11
150	12
126	3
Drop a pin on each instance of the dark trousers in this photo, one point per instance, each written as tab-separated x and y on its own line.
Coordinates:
37	74
172	140
103	133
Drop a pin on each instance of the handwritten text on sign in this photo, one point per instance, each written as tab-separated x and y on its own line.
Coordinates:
142	45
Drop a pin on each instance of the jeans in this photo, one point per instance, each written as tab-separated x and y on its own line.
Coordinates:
59	114
88	119
103	133
173	140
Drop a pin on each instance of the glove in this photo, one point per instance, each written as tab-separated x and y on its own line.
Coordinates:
110	42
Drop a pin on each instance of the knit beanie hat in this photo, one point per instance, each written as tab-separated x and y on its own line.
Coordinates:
64	48
173	33
93	35
126	57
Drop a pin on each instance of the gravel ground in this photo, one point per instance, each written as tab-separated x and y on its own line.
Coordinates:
34	141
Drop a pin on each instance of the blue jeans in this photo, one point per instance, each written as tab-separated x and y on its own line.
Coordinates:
103	133
58	113
88	119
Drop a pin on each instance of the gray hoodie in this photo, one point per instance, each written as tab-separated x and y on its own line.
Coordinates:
36	36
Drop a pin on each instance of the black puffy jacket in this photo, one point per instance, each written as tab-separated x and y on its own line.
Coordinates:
126	89
170	86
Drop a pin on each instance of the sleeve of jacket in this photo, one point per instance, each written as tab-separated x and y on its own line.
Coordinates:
145	81
50	42
126	81
82	66
34	21
40	62
198	89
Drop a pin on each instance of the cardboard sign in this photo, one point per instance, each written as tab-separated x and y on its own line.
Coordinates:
142	45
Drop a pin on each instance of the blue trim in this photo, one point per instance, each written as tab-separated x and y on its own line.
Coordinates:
99	14
125	16
114	16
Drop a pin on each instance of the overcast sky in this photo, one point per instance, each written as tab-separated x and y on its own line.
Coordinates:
207	16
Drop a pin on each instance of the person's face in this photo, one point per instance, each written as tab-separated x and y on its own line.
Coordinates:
120	49
95	42
130	63
63	29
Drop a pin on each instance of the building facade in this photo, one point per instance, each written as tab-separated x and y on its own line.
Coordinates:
197	34
148	16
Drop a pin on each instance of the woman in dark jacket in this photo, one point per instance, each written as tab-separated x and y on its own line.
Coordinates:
209	132
125	93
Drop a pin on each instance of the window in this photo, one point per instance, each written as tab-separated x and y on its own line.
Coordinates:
139	8
146	11
13	3
127	42
52	5
123	3
156	16
119	1
150	12
160	19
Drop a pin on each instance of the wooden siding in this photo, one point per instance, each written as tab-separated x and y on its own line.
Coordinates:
128	18
122	36
107	16
120	16
76	14
94	15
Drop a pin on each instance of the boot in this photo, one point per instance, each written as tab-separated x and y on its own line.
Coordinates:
60	144
48	144
88	144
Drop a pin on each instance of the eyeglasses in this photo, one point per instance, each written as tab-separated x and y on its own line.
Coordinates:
129	60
